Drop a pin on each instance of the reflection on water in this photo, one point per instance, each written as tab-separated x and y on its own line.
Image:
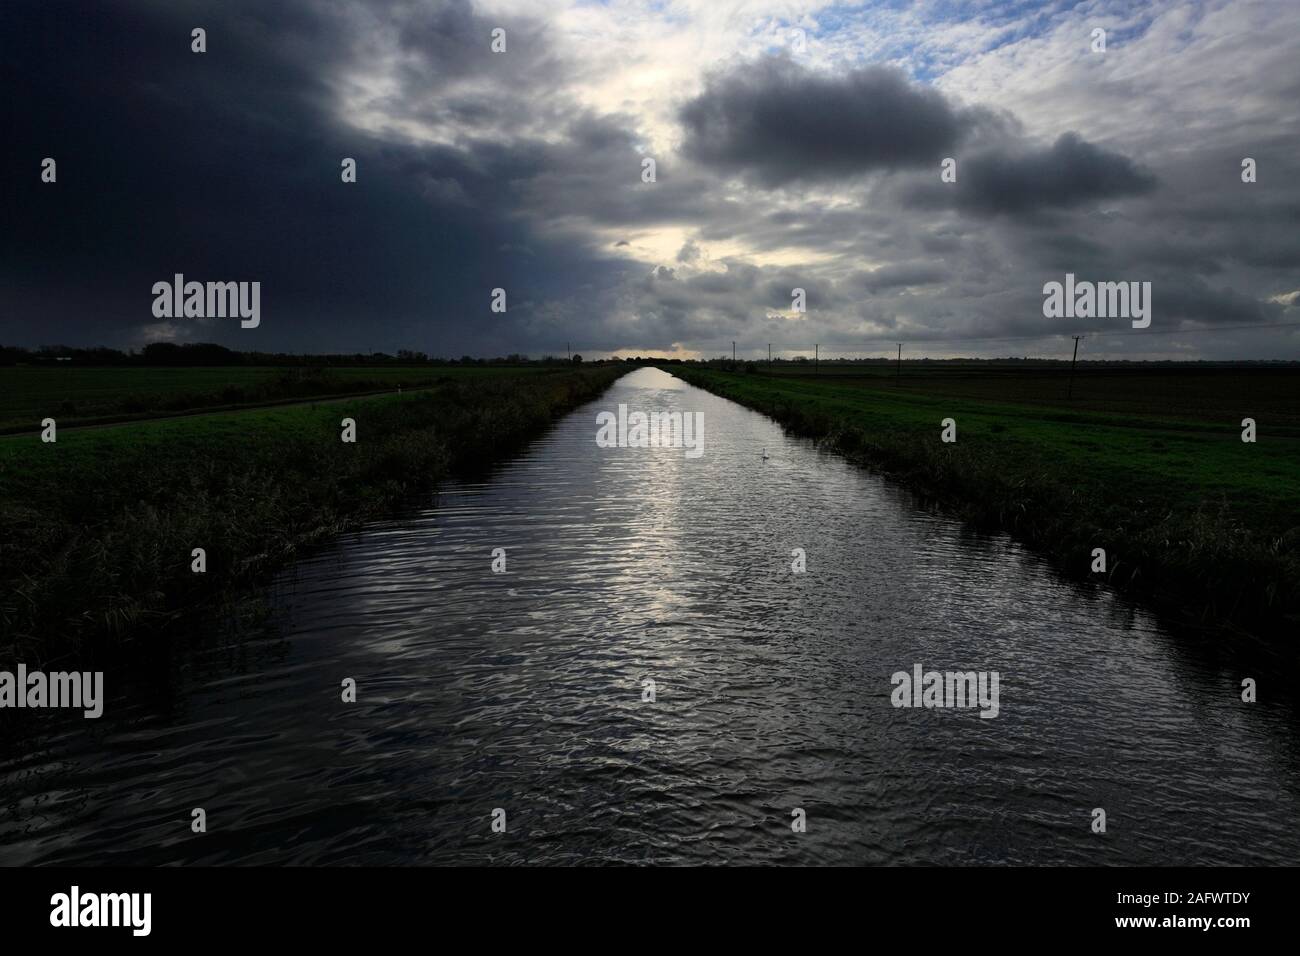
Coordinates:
524	690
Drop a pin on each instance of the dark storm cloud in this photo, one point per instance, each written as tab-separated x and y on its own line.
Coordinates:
1069	173
479	171
780	122
225	166
593	175
1190	299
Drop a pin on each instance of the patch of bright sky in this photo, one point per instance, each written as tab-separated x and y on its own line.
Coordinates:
662	244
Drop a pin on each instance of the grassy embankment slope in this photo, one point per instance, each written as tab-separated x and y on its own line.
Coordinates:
1148	465
97	529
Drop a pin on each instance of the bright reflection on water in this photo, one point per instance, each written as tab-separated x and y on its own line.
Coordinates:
523	690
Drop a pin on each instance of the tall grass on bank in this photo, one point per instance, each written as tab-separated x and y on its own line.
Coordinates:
97	530
1198	522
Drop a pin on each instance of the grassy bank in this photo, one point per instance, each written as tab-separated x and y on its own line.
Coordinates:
97	529
1188	514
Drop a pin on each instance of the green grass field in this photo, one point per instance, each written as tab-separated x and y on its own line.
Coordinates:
97	529
1185	509
1187	393
83	395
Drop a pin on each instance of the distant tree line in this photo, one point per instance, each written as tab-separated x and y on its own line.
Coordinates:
208	354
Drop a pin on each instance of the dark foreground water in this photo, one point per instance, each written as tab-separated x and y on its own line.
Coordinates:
524	690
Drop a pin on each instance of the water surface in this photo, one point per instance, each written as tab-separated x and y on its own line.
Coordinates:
524	690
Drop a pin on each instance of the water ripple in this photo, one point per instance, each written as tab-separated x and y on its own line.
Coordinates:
524	690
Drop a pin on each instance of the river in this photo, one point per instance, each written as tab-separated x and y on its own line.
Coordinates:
526	690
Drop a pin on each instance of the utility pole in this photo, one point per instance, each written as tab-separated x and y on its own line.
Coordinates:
1070	394
816	356
769	356
733	351
899	376
569	351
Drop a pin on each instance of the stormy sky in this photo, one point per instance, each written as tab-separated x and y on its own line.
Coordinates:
796	145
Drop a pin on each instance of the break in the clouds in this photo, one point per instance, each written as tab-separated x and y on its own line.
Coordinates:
795	145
